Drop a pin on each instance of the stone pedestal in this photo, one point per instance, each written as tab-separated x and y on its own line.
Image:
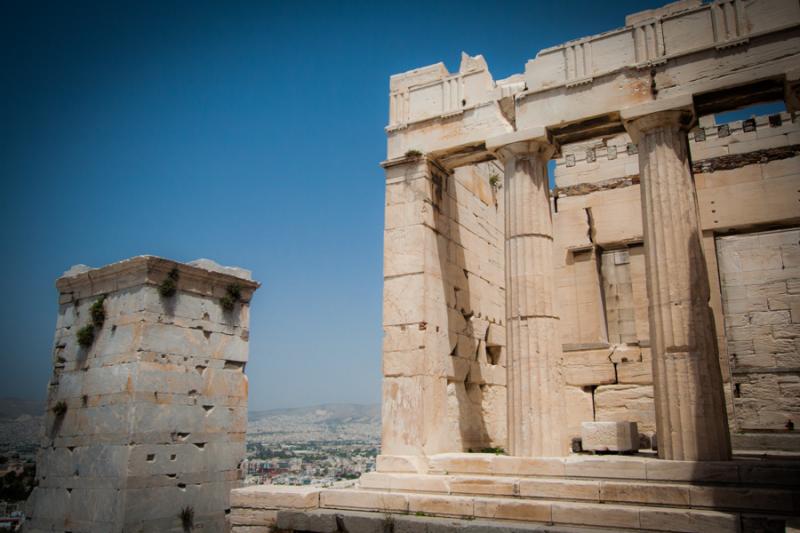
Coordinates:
147	403
536	423
690	408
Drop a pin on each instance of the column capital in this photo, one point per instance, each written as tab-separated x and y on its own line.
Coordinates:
529	142
675	112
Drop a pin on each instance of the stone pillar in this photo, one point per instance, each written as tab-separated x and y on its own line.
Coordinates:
690	408
147	403
536	413
414	408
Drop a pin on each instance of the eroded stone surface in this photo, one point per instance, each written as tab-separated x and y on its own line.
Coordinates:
610	436
149	417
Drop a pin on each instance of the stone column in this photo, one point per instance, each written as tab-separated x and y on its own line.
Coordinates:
536	421
690	407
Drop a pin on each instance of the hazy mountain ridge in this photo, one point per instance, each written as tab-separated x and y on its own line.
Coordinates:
327	422
13	408
329	412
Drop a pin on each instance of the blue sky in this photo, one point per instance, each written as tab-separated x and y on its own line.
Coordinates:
246	132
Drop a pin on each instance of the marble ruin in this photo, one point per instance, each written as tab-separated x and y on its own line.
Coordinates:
648	302
147	404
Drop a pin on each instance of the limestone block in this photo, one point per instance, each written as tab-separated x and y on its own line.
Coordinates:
496	486
496	335
405	250
617	216
440	505
645	493
580	408
626	403
410	189
610	436
584	375
579	356
400	463
560	489
640	373
403	338
256	518
587	514
276	497
617	467
571	229
289	520
525	466
493	411
766	201
622	353
401	299
511	509
740	497
462	463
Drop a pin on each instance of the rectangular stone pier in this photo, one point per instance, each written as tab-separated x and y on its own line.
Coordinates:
147	404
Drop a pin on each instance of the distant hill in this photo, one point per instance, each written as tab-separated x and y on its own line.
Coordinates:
13	408
329	412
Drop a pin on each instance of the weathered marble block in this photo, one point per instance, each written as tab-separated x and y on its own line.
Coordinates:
610	436
146	416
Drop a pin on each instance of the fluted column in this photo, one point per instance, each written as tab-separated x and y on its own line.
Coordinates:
690	408
536	423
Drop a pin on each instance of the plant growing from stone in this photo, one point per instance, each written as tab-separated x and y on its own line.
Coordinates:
60	408
85	336
494	181
187	518
98	312
233	295
413	154
496	451
169	286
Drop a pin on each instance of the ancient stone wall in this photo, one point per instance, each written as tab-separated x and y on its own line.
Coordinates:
147	404
746	173
444	307
760	276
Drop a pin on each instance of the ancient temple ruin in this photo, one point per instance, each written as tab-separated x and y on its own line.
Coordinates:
657	283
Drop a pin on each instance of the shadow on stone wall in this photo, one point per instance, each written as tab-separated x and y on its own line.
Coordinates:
464	396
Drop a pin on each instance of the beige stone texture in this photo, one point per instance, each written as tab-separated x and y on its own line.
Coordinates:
622	403
275	497
756	271
444	333
149	417
610	436
510	509
355	499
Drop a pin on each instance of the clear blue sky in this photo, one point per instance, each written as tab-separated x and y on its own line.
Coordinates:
246	132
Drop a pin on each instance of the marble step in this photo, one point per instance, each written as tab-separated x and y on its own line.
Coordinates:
642	492
748	472
328	520
551	512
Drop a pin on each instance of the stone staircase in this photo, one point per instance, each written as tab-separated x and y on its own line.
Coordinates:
560	494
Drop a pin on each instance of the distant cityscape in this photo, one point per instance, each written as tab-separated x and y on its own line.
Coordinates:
319	445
